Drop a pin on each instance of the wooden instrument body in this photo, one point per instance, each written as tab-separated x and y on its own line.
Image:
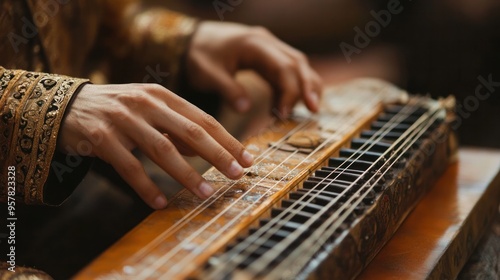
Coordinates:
178	241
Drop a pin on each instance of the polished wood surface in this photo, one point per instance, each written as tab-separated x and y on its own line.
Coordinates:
438	236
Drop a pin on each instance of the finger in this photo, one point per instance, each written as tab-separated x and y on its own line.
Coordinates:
317	87
312	85
181	146
232	90
192	134
159	149
217	132
311	88
290	91
221	80
278	68
132	171
305	81
208	123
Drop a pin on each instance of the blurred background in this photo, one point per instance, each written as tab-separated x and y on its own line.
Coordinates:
439	47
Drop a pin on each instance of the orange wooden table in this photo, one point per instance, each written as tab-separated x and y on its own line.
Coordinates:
443	230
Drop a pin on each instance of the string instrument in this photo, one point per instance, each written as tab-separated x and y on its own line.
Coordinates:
326	192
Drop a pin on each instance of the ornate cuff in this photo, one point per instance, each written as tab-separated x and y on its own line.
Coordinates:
32	109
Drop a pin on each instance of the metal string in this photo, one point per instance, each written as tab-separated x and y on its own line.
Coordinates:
260	264
206	203
158	240
321	235
291	208
178	266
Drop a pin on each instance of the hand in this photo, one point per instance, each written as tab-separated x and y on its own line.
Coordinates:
218	50
114	119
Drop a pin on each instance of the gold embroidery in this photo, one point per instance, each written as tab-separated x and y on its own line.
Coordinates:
33	109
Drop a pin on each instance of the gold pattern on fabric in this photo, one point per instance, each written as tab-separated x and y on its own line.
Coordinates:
33	106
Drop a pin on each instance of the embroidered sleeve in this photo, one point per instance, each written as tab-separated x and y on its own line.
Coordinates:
152	38
32	107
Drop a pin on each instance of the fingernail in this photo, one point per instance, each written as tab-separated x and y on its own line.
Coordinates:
242	104
247	157
205	189
160	202
235	170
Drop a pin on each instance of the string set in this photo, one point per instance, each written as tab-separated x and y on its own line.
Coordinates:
234	220
150	269
322	233
206	203
350	120
280	220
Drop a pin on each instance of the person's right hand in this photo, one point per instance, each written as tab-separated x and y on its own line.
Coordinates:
114	119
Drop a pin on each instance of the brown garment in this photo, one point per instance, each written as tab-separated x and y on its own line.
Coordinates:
104	40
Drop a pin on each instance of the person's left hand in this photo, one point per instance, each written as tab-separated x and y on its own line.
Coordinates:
218	50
